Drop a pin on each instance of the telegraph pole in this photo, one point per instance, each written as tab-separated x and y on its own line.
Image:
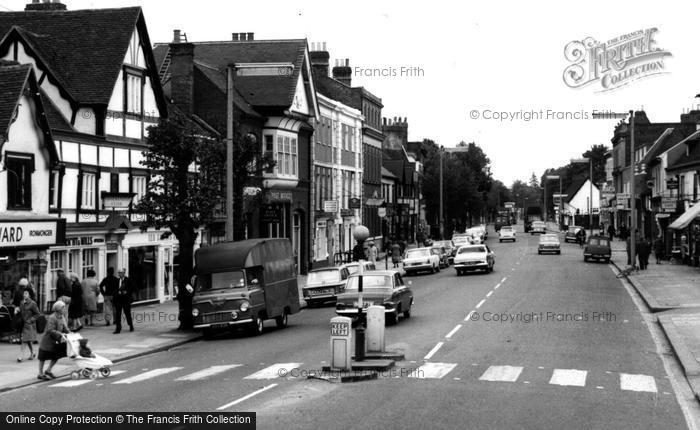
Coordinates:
633	200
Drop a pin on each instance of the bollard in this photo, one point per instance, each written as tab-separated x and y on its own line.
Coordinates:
341	343
375	329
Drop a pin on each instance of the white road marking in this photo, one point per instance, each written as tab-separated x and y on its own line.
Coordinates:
469	317
497	286
540	367
504	279
573	377
480	303
526	382
502	373
432	370
489	293
454	330
599	387
148	375
209	371
274	371
244	398
457	379
433	351
637	383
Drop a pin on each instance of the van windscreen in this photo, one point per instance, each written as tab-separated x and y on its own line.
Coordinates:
221	281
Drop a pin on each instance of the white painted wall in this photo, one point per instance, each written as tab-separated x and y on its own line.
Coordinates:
580	201
88	154
85	121
25	136
70	189
70	152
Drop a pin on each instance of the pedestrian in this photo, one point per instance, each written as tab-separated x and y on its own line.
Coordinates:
184	299
659	250
122	301
108	288
396	254
64	291
643	254
623	232
90	290
75	309
372	252
629	251
53	344
29	312
581	236
611	231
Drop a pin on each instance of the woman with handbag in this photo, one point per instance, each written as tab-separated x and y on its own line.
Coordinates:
53	345
29	312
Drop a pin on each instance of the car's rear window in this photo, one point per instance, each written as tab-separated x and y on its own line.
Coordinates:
417	253
597	241
324	276
472	249
369	282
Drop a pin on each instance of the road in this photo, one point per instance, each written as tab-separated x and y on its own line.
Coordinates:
572	351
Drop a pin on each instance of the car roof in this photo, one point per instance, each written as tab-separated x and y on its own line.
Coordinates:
476	245
389	272
420	249
326	269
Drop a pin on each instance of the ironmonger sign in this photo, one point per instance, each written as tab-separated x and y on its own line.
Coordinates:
15	234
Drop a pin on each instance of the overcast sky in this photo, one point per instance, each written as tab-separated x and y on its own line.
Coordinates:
490	56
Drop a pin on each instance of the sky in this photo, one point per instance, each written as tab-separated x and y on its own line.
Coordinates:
464	63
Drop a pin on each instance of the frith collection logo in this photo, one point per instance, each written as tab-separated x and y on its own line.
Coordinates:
615	63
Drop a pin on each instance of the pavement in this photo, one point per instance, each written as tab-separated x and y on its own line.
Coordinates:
672	293
545	341
155	330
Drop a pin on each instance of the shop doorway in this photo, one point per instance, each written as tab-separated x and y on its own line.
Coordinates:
113	262
142	271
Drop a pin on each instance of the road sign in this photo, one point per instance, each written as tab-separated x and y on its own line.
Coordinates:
672	184
354	203
381	212
509	205
622	196
557	196
668	204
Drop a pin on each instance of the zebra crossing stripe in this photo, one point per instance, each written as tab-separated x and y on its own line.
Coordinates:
209	371
573	377
502	373
274	371
148	375
637	383
432	370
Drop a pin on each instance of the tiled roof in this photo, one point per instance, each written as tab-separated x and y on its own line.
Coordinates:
259	91
691	157
53	115
84	48
338	91
387	173
574	188
12	82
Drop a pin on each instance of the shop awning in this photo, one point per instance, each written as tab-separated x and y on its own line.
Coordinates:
685	219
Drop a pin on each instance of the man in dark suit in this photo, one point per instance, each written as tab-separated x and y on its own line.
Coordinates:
108	288
122	301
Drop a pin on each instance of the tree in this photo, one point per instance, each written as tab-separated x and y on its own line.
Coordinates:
534	183
187	165
248	167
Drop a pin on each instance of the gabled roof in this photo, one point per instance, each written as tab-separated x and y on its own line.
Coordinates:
338	91
83	49
691	156
663	143
16	81
276	91
574	188
387	174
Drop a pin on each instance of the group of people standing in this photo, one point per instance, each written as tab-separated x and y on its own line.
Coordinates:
76	305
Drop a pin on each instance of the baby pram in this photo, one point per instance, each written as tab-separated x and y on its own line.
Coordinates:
88	367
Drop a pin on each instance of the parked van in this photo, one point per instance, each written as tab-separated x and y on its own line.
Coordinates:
241	284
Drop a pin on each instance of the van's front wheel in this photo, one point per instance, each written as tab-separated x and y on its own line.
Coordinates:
256	327
282	320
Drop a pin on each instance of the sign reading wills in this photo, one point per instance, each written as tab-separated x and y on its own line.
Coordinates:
615	63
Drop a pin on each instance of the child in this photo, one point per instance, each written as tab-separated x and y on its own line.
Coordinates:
85	351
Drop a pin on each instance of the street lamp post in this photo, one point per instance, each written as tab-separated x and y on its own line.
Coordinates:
633	200
360	234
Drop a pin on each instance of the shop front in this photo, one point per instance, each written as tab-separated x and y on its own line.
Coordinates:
24	241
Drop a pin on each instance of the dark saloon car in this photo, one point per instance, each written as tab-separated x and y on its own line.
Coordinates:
571	234
381	287
598	248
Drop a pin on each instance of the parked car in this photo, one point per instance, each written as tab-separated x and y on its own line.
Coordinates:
449	247
354	266
442	253
477	236
506	232
241	284
538	227
474	257
420	259
549	243
382	287
323	285
598	248
461	239
570	235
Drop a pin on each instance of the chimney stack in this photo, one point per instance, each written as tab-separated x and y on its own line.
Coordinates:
342	71
319	58
45	5
182	74
242	37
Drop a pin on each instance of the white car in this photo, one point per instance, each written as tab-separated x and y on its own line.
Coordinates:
420	259
506	233
474	257
477	235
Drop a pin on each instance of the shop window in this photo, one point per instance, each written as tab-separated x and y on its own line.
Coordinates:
88	194
73	261
19	170
88	261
